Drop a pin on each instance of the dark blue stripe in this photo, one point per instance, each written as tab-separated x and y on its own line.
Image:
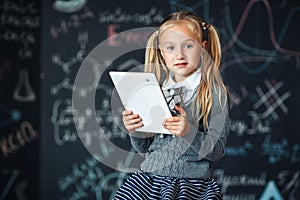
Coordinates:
143	186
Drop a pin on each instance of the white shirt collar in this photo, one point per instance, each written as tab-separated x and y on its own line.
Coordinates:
190	83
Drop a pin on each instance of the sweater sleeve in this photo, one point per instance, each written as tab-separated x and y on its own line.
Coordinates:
211	145
214	141
141	141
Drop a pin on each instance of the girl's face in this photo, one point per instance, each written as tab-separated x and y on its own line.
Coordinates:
180	50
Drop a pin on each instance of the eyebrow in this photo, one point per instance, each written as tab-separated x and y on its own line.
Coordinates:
170	42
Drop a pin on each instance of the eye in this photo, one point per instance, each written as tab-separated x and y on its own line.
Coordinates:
188	46
170	48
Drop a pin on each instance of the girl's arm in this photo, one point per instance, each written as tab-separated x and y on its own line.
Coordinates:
139	140
214	142
210	145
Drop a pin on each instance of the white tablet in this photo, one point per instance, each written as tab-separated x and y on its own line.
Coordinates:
141	93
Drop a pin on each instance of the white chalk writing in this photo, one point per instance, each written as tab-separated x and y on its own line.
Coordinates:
239	180
119	16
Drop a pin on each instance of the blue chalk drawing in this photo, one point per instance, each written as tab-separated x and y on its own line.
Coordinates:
271	192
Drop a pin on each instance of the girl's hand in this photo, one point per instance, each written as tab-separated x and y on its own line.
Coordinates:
131	120
178	125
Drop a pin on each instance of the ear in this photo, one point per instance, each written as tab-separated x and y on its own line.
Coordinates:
204	43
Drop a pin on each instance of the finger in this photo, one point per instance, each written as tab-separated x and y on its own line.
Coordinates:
171	128
173	119
127	112
180	110
133	121
130	117
172	123
131	128
174	127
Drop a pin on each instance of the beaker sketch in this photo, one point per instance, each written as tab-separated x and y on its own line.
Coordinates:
23	91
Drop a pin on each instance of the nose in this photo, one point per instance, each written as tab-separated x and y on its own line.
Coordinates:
180	54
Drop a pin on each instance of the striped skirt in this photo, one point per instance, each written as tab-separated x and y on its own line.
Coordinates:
145	186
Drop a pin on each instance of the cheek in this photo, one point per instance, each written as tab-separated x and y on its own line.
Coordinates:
194	58
167	58
196	61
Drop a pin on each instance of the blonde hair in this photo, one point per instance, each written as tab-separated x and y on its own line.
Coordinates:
210	77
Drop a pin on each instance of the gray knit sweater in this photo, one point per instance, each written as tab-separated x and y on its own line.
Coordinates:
189	156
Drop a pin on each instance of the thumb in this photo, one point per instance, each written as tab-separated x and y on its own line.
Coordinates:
179	109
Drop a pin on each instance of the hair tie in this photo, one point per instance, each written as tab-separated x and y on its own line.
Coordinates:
205	27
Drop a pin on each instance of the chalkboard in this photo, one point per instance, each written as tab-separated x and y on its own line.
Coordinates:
61	135
77	174
19	103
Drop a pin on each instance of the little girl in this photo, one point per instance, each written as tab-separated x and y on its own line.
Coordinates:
184	54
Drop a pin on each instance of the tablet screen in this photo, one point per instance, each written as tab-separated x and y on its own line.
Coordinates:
141	93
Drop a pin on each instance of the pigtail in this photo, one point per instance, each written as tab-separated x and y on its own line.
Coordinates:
211	77
153	60
213	46
214	50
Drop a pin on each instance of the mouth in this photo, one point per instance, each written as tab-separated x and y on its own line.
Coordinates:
183	64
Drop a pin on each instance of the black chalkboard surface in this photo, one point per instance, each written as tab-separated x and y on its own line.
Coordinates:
19	103
69	168
60	130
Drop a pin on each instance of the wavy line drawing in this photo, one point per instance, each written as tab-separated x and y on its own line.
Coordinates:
242	59
271	54
276	44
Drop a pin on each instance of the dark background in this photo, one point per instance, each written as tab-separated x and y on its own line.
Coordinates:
43	44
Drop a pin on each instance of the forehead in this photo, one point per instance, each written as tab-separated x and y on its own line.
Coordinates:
177	32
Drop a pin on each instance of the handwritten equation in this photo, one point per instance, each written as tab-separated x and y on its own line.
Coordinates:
22	22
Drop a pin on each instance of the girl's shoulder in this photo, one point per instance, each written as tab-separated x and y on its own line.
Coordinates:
220	94
217	89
